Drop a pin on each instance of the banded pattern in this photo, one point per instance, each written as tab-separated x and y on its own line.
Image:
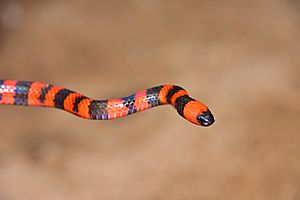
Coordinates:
28	93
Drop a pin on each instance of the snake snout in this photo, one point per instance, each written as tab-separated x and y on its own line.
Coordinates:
206	118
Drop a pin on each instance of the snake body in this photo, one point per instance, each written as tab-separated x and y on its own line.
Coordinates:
32	93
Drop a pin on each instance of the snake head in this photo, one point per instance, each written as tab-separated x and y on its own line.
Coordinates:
196	112
206	118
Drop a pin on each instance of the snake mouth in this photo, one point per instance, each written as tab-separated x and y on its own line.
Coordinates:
206	118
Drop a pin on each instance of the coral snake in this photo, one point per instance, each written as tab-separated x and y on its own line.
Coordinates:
28	93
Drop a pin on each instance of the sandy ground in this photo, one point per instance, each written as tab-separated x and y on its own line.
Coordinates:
239	57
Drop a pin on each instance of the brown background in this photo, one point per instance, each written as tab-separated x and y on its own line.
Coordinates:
239	57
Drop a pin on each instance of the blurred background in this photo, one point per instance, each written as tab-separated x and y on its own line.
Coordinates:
241	58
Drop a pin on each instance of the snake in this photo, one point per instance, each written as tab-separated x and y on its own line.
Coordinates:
34	93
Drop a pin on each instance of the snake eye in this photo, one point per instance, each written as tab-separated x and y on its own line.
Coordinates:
206	118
